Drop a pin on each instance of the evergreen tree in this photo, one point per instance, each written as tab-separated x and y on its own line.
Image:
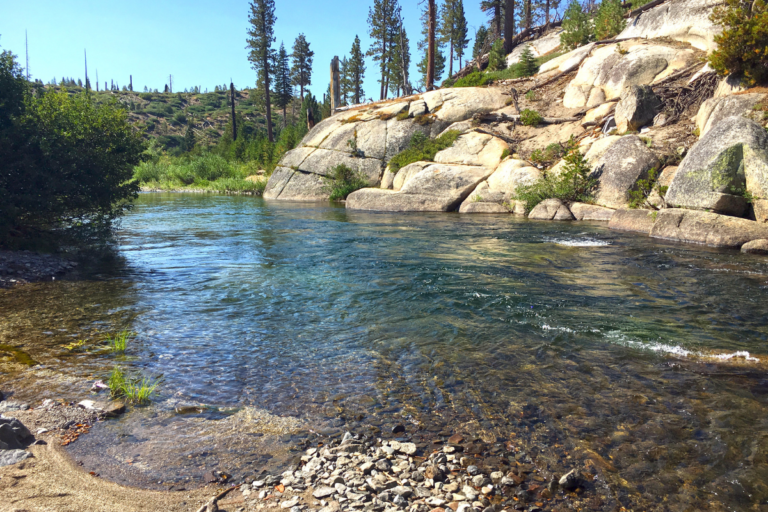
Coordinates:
79	83
310	103
301	72
480	47
453	30
527	66
609	20
422	66
383	27
189	137
283	89
356	72
400	64
577	29
261	35
495	11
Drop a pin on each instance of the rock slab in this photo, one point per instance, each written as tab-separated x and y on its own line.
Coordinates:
707	228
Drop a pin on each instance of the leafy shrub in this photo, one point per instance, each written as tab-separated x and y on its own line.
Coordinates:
146	172
530	117
342	181
527	64
146	96
573	183
530	96
475	79
609	20
422	149
211	168
742	48
577	27
639	197
497	59
180	118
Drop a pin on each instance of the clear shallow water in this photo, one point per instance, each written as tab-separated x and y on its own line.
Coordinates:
624	352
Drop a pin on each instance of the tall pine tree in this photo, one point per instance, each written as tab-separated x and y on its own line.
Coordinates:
283	89
495	10
383	27
261	35
399	65
453	30
356	72
423	46
302	63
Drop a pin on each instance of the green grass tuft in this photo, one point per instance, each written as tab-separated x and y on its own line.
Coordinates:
422	149
118	342
137	391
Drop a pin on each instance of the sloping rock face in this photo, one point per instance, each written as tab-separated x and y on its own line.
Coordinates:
682	20
365	139
707	228
624	163
731	158
714	110
539	47
568	61
608	71
440	186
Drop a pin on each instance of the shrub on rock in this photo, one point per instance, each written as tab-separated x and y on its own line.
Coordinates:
743	45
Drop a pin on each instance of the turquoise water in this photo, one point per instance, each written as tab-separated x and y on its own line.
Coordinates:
641	357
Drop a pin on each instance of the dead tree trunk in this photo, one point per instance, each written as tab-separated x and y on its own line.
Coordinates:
232	101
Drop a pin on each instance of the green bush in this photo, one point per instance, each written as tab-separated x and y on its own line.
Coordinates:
342	181
742	48
530	117
497	58
573	183
577	27
422	149
609	21
640	195
476	79
66	161
211	168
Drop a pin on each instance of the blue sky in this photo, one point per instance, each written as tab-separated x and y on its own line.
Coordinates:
198	42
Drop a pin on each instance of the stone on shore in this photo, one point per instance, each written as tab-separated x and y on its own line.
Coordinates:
551	209
756	247
10	457
13	434
707	228
638	221
636	108
591	212
730	159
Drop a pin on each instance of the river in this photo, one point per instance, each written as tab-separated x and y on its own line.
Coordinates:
284	321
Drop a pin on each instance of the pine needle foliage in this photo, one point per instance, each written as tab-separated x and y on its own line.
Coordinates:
609	21
577	27
742	48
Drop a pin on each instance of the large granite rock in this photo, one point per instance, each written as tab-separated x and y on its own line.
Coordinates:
366	138
539	47
500	187
682	20
611	71
756	247
714	110
637	108
731	158
568	61
591	212
625	162
436	188
551	209
707	228
408	172
474	149
636	221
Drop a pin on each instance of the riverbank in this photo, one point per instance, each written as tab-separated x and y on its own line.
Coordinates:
20	267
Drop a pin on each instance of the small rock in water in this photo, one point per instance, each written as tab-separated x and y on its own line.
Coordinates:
570	481
456	439
347	437
398	429
472	470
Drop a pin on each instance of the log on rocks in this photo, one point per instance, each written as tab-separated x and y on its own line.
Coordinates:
648	6
495	117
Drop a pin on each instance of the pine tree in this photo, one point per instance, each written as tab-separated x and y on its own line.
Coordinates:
528	66
453	30
509	25
480	47
189	137
283	89
461	30
301	72
423	46
609	20
399	65
383	28
356	72
310	103
577	29
261	35
495	11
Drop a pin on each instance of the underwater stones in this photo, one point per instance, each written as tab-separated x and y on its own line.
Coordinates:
570	481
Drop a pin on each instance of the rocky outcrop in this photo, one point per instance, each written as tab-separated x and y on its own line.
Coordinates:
682	20
707	228
539	47
568	61
591	212
714	110
406	173
637	108
617	171
756	247
551	209
730	159
610	69
366	138
500	187
637	221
